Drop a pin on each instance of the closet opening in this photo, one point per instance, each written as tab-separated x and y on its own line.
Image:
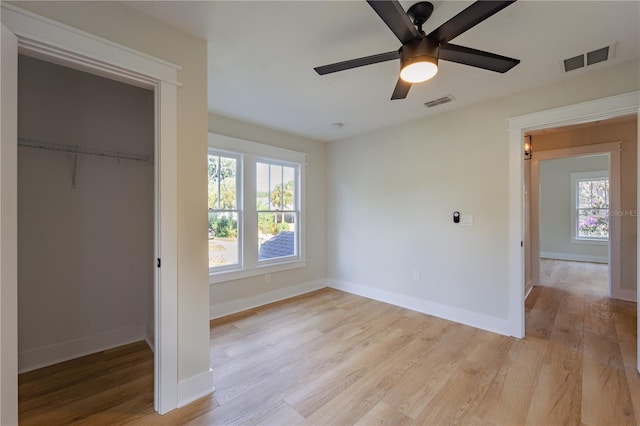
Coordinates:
86	227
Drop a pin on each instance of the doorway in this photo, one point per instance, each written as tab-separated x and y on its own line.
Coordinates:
86	214
583	156
605	108
24	33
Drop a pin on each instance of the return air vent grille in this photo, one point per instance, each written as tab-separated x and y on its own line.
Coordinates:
440	101
589	58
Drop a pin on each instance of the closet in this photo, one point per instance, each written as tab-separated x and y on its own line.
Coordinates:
85	213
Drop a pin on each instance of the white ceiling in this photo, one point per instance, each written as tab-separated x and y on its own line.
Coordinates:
262	55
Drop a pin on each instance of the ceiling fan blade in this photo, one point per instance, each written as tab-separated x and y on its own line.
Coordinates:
355	63
468	18
402	89
396	19
476	58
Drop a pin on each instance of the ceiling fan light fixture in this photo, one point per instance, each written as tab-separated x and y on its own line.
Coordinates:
418	70
419	60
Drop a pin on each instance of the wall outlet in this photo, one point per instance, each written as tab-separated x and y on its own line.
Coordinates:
416	275
267	279
466	220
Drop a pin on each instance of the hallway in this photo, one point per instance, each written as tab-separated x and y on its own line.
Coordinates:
591	346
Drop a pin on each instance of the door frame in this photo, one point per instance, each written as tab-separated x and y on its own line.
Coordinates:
612	150
600	109
58	43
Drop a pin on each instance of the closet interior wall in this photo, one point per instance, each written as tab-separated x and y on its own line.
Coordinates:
85	222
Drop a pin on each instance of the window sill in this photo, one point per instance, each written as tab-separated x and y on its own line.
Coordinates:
590	241
224	276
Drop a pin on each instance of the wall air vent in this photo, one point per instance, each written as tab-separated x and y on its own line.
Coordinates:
439	101
589	58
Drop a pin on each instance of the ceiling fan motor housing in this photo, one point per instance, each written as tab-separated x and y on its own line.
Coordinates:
424	49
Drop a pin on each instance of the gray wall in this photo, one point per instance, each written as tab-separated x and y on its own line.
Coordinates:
85	254
386	223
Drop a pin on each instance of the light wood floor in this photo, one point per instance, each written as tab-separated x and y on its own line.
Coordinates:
332	358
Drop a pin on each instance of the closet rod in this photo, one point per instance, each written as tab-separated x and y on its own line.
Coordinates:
32	143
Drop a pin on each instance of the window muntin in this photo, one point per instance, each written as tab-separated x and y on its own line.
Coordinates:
224	216
592	208
277	210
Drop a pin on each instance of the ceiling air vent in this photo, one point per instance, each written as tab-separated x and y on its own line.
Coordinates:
574	63
440	101
599	55
589	58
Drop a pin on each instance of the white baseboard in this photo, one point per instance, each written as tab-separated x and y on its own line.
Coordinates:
150	338
473	319
573	257
624	294
195	387
527	289
239	305
49	355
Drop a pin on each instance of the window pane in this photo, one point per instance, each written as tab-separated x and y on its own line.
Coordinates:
213	162
222	182
276	235
262	186
223	239
599	193
584	194
593	223
275	186
289	188
227	183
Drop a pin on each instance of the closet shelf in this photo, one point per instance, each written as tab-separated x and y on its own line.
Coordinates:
32	143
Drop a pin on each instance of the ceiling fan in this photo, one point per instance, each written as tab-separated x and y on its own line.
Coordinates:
420	52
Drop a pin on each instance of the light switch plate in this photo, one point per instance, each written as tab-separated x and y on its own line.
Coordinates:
466	220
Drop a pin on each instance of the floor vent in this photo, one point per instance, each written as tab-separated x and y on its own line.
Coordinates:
440	101
589	58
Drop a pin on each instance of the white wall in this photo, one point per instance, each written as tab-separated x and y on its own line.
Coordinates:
556	212
121	24
85	255
233	296
391	195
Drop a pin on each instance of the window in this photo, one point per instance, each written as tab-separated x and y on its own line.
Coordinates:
276	203
256	214
591	201
224	212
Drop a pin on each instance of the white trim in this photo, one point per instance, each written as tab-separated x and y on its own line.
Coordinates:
528	292
42	36
195	388
60	352
59	43
600	109
462	316
235	145
573	257
166	285
223	309
8	230
585	112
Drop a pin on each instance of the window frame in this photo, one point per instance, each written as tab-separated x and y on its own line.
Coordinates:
237	210
251	153
576	178
296	210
